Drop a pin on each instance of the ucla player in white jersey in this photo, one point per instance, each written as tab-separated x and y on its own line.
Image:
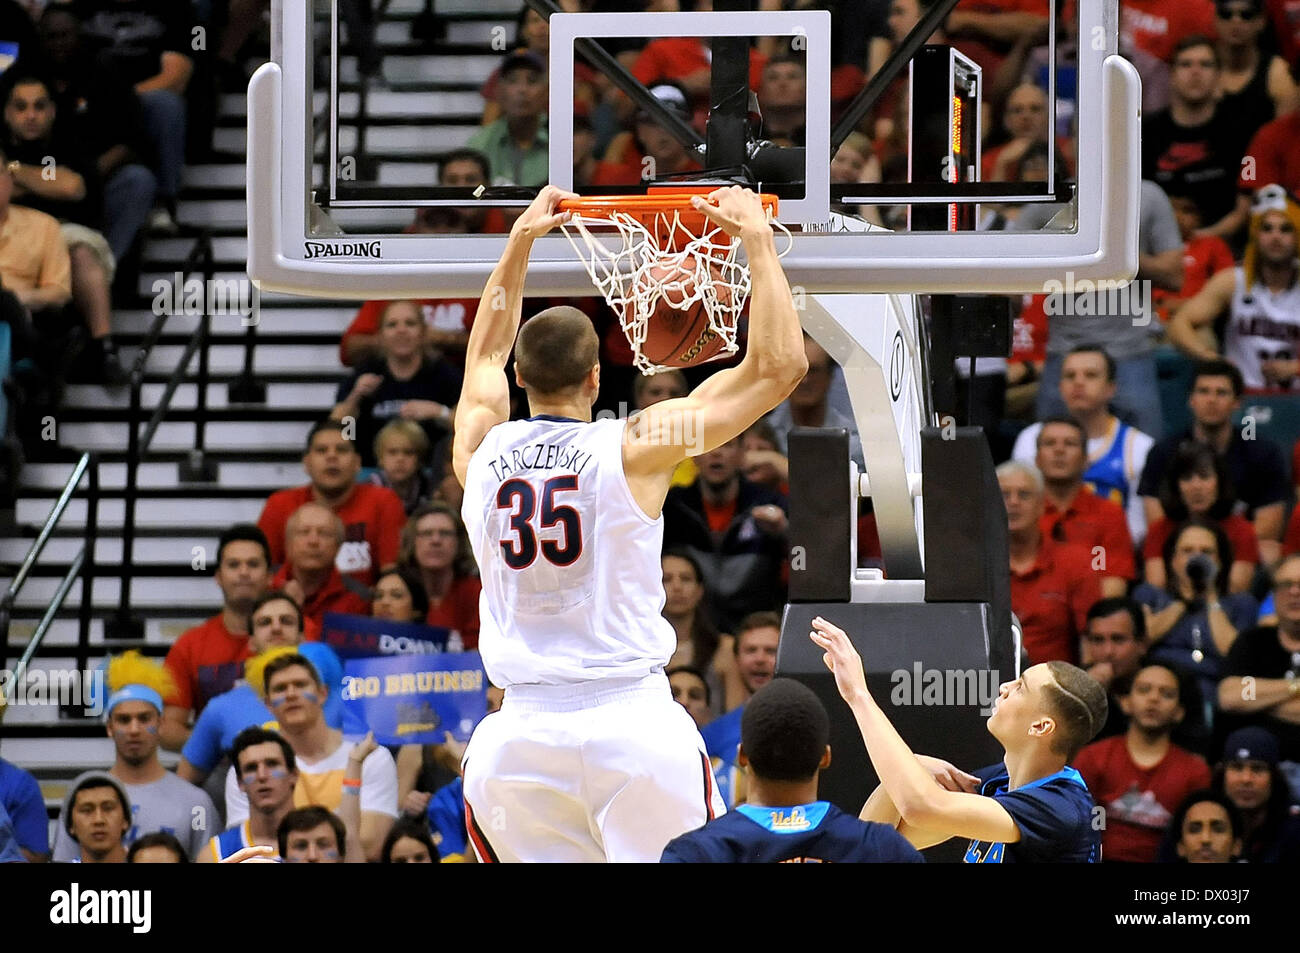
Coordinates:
589	758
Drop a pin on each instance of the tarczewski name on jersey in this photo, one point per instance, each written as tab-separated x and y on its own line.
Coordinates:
540	456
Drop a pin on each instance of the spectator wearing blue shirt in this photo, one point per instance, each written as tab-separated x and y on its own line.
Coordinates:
444	809
21	800
10	853
275	622
757	639
1032	806
784	735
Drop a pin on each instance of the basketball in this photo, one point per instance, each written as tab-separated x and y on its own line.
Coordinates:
678	333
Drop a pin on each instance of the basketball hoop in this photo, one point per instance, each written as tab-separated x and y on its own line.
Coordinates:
652	252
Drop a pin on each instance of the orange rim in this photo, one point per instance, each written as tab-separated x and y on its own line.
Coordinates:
667	200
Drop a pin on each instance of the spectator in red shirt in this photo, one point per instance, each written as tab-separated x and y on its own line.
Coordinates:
1073	513
1272	156
208	659
1196	485
448	320
309	576
1286	26
435	549
1028	354
1203	257
372	515
1052	583
1156	26
986	30
685	60
1141	777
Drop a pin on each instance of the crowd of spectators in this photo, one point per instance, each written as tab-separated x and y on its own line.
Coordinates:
1162	561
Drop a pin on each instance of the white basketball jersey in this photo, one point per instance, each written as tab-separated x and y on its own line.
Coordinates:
572	585
1263	326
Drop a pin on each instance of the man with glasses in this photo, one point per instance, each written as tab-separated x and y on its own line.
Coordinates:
1261	684
1052	582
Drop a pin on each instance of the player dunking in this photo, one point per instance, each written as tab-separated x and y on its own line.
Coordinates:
589	758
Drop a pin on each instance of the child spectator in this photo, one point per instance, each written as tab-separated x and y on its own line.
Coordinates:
1204	256
402	457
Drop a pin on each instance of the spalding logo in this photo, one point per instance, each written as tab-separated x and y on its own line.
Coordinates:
690	353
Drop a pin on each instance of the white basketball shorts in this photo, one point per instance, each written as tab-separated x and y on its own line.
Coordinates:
610	771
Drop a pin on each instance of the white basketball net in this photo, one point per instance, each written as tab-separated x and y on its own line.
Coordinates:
623	267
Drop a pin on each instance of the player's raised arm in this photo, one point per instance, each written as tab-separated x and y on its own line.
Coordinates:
485	394
727	403
929	812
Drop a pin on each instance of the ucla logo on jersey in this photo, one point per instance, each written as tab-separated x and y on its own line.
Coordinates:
981	853
789	821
